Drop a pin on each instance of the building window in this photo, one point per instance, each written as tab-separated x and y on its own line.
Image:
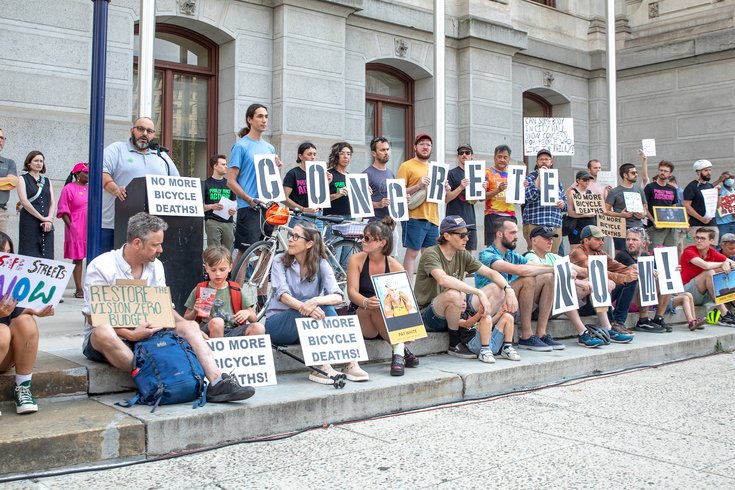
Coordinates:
550	3
389	110
535	106
184	96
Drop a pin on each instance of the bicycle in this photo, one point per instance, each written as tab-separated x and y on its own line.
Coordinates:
252	270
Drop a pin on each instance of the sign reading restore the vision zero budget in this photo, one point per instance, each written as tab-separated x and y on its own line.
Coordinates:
174	196
250	358
127	306
336	339
35	282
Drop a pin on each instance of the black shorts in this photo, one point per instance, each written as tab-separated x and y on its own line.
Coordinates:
94	355
13	315
250	222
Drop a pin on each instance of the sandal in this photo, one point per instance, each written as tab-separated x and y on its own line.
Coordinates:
79	294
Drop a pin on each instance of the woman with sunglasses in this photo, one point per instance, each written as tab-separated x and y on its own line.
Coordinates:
375	258
304	287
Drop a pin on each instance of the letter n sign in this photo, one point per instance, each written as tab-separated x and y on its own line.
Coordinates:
565	294
361	206
597	270
268	178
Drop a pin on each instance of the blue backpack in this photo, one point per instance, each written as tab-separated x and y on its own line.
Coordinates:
166	371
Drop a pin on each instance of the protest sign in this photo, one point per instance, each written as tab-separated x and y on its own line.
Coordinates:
398	207
555	134
249	359
710	202
648	146
130	306
633	202
549	186
35	282
516	191
588	203
336	339
724	285
669	279
727	205
647	281
597	270
438	176
268	179
670	217
398	306
474	171
174	196
358	192
606	178
317	185
611	226
227	205
565	294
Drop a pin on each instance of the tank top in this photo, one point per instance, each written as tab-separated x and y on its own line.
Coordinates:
366	283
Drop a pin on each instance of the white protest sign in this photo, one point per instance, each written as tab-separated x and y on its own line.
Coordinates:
549	186
249	359
474	171
597	270
438	176
669	279
633	202
607	178
35	282
555	134
268	179
227	205
710	202
647	281
398	207
317	185
516	191
336	339
358	192
174	196
565	294
649	147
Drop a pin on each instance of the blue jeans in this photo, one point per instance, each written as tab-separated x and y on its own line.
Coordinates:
623	294
281	326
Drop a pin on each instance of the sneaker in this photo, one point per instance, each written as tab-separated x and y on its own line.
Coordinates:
534	343
587	340
411	360
508	352
228	390
486	355
24	401
659	320
549	340
646	325
728	320
354	372
462	351
323	379
397	365
619	337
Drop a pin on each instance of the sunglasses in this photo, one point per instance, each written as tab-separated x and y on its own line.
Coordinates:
368	239
461	235
464	152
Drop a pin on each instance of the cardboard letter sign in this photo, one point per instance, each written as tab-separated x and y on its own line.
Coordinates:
398	207
33	281
398	306
611	226
358	192
268	178
565	294
475	172
438	176
516	192
647	281
588	203
249	359
669	279
317	185
549	186
336	339
597	269
130	306
174	196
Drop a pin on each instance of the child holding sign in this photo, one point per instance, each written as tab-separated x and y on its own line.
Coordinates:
233	316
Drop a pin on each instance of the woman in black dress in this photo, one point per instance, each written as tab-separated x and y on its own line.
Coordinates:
36	196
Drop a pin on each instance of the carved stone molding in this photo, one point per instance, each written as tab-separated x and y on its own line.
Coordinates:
401	47
548	79
188	7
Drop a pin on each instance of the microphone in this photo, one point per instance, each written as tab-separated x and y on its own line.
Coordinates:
156	147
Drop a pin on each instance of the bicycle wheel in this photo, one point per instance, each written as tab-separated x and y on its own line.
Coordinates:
253	274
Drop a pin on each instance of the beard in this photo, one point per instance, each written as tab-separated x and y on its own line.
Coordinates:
507	244
705	177
140	143
382	160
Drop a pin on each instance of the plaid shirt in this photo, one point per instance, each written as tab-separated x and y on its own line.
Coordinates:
536	214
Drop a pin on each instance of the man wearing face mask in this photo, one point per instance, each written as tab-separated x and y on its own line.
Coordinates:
124	161
661	193
726	223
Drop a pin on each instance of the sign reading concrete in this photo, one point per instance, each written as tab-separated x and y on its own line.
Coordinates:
549	186
597	270
174	196
358	192
438	176
130	306
398	207
317	185
336	339
250	358
555	134
474	171
667	265
565	293
35	282
516	191
647	281
268	179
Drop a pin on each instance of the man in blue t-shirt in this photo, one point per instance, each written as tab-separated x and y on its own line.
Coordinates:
532	283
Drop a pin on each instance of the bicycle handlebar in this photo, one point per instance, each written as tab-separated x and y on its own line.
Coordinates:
298	212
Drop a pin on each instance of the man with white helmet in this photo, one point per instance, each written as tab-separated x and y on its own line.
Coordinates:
694	201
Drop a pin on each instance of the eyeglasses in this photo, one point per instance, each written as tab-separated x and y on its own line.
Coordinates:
464	152
141	129
461	235
294	236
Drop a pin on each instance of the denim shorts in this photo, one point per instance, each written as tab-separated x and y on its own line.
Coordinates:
496	342
419	233
432	321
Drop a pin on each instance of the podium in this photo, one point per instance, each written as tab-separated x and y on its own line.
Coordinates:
183	242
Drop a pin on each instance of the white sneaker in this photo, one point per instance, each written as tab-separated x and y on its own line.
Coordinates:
509	353
486	355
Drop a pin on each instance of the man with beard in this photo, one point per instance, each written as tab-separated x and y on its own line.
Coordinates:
496	178
456	199
694	199
124	161
533	284
660	193
534	214
377	174
615	203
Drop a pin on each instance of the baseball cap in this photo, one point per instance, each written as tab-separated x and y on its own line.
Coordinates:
591	231
453	222
544	231
422	136
701	165
728	237
544	151
583	174
465	147
80	167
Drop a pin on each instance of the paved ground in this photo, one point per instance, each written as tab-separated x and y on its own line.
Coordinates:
666	427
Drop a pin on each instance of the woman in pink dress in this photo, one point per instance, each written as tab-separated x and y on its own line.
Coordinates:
73	211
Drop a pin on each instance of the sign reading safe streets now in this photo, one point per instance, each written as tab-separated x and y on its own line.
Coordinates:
130	306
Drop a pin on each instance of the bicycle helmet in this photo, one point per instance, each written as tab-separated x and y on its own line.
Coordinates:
598	333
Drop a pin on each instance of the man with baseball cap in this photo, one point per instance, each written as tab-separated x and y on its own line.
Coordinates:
441	292
624	279
456	200
534	214
694	201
